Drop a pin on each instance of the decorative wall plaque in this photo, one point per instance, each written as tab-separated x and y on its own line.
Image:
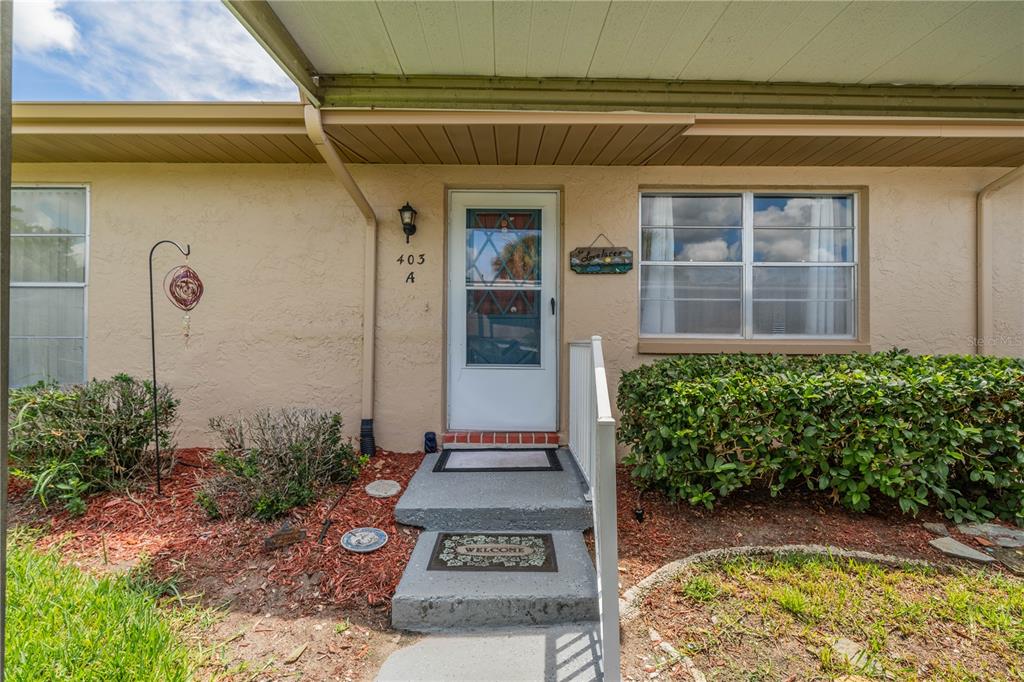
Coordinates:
601	260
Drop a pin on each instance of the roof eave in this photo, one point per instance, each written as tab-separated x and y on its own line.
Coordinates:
651	96
106	118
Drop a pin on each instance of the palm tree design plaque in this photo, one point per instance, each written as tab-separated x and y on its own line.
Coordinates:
601	260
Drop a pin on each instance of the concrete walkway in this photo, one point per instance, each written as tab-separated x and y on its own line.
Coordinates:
559	653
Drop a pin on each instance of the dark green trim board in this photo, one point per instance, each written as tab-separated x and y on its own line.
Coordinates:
564	94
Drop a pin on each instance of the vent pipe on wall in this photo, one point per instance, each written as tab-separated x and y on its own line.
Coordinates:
324	145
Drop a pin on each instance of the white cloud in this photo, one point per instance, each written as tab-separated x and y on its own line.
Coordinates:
805	211
165	50
784	249
711	250
708	211
802	246
798	211
40	25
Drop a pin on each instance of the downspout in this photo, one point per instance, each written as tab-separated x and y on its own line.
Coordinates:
984	330
323	143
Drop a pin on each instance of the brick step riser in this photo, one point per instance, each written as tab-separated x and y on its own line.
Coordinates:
500	439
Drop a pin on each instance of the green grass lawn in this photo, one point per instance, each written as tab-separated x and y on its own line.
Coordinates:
782	618
63	624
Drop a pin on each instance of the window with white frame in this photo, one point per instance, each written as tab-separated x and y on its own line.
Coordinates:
748	265
49	254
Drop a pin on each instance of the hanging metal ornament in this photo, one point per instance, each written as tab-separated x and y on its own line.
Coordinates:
184	289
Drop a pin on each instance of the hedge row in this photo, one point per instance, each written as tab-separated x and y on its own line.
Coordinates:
923	430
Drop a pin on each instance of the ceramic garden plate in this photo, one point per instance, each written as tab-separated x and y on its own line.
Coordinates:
364	539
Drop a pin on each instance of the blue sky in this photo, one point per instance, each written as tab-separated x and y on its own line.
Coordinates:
139	50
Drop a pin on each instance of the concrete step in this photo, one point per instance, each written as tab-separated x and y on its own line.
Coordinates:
557	653
427	601
498	500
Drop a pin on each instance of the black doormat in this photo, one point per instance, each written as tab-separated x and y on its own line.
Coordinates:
463	460
525	552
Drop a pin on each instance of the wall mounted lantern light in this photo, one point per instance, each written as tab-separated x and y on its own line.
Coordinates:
408	214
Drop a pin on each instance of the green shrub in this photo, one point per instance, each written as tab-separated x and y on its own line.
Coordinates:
274	461
942	430
77	440
63	624
208	503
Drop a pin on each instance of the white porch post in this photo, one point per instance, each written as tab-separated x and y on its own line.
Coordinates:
6	20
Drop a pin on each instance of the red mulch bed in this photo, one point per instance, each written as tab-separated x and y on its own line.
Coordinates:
212	556
673	531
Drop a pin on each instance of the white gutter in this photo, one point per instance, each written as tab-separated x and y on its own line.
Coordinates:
324	145
984	329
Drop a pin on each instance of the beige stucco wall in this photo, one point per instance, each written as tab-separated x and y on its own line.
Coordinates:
280	249
1005	209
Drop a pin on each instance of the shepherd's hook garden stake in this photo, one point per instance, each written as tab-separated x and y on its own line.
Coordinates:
184	289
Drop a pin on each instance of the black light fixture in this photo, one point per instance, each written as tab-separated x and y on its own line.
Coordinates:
408	214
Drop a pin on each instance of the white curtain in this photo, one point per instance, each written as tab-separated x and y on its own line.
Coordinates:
659	316
825	247
816	312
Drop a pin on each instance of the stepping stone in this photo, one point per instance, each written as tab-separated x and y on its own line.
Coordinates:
383	488
959	550
856	655
936	529
1004	536
1010	557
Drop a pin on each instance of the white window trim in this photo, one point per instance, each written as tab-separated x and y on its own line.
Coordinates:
83	285
747	334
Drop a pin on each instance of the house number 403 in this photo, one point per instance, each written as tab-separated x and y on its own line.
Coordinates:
412	259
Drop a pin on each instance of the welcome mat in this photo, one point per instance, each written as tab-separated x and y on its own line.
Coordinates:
498	460
527	552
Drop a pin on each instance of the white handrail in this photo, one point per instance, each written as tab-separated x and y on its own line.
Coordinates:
592	443
583	409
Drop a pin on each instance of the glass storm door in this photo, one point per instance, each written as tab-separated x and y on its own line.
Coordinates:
503	311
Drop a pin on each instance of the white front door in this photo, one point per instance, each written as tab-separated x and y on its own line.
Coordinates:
503	310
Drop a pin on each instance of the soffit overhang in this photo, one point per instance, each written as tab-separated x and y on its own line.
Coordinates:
862	42
275	133
859	58
639	138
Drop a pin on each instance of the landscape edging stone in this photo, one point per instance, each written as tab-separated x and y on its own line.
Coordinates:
629	602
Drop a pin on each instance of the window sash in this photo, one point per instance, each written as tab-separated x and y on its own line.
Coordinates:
748	264
59	207
47	340
65	261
